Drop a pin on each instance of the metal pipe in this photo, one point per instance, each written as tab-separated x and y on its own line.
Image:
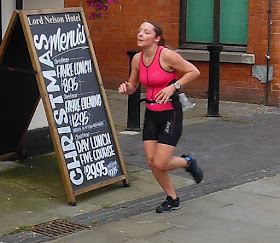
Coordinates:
214	65
1	27
216	37
133	109
19	4
268	54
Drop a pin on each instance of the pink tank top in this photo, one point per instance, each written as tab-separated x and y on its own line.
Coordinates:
155	78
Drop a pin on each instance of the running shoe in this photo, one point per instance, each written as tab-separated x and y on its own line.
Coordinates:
193	168
168	205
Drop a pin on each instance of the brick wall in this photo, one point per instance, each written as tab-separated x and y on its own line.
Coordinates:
115	33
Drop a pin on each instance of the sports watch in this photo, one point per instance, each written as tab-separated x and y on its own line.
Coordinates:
177	85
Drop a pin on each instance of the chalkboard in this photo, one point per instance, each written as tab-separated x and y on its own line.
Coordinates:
74	99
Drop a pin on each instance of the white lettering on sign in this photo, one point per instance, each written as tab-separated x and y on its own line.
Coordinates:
84	103
73	18
75	68
60	41
100	140
91	101
54	19
93	150
72	105
83	145
96	170
82	67
65	70
35	21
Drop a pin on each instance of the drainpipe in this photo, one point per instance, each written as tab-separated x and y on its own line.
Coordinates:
268	54
214	65
19	4
1	27
133	111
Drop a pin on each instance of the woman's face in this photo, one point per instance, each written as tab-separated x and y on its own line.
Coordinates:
146	35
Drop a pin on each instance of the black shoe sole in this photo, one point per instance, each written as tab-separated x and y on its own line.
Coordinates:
174	208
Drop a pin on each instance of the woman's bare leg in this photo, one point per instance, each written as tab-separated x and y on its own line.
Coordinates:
160	159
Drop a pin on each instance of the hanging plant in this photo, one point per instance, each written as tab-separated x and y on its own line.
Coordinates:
99	5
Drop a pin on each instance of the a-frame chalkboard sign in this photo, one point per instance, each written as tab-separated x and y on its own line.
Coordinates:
48	54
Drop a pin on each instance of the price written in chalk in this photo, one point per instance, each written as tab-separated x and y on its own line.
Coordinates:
96	170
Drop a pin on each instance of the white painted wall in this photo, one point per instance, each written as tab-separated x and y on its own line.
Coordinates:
34	4
8	6
39	119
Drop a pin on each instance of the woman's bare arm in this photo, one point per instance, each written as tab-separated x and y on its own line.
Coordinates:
130	86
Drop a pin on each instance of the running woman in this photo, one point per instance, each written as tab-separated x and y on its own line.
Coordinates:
156	67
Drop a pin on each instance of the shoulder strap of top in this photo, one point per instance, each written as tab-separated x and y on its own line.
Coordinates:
158	53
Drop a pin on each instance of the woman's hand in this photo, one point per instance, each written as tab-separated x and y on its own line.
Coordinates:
164	95
126	88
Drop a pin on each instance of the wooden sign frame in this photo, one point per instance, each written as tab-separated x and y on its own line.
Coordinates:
88	152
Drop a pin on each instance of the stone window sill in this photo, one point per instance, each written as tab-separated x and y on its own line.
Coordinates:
227	57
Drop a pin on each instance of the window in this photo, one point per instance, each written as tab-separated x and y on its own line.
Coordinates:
197	24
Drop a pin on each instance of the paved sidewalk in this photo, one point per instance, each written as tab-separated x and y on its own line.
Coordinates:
238	200
245	213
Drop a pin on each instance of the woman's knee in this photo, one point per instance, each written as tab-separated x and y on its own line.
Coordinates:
160	165
156	165
150	160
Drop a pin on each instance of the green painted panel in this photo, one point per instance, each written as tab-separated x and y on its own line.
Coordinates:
234	22
200	21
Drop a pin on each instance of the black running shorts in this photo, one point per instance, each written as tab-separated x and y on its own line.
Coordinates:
163	126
